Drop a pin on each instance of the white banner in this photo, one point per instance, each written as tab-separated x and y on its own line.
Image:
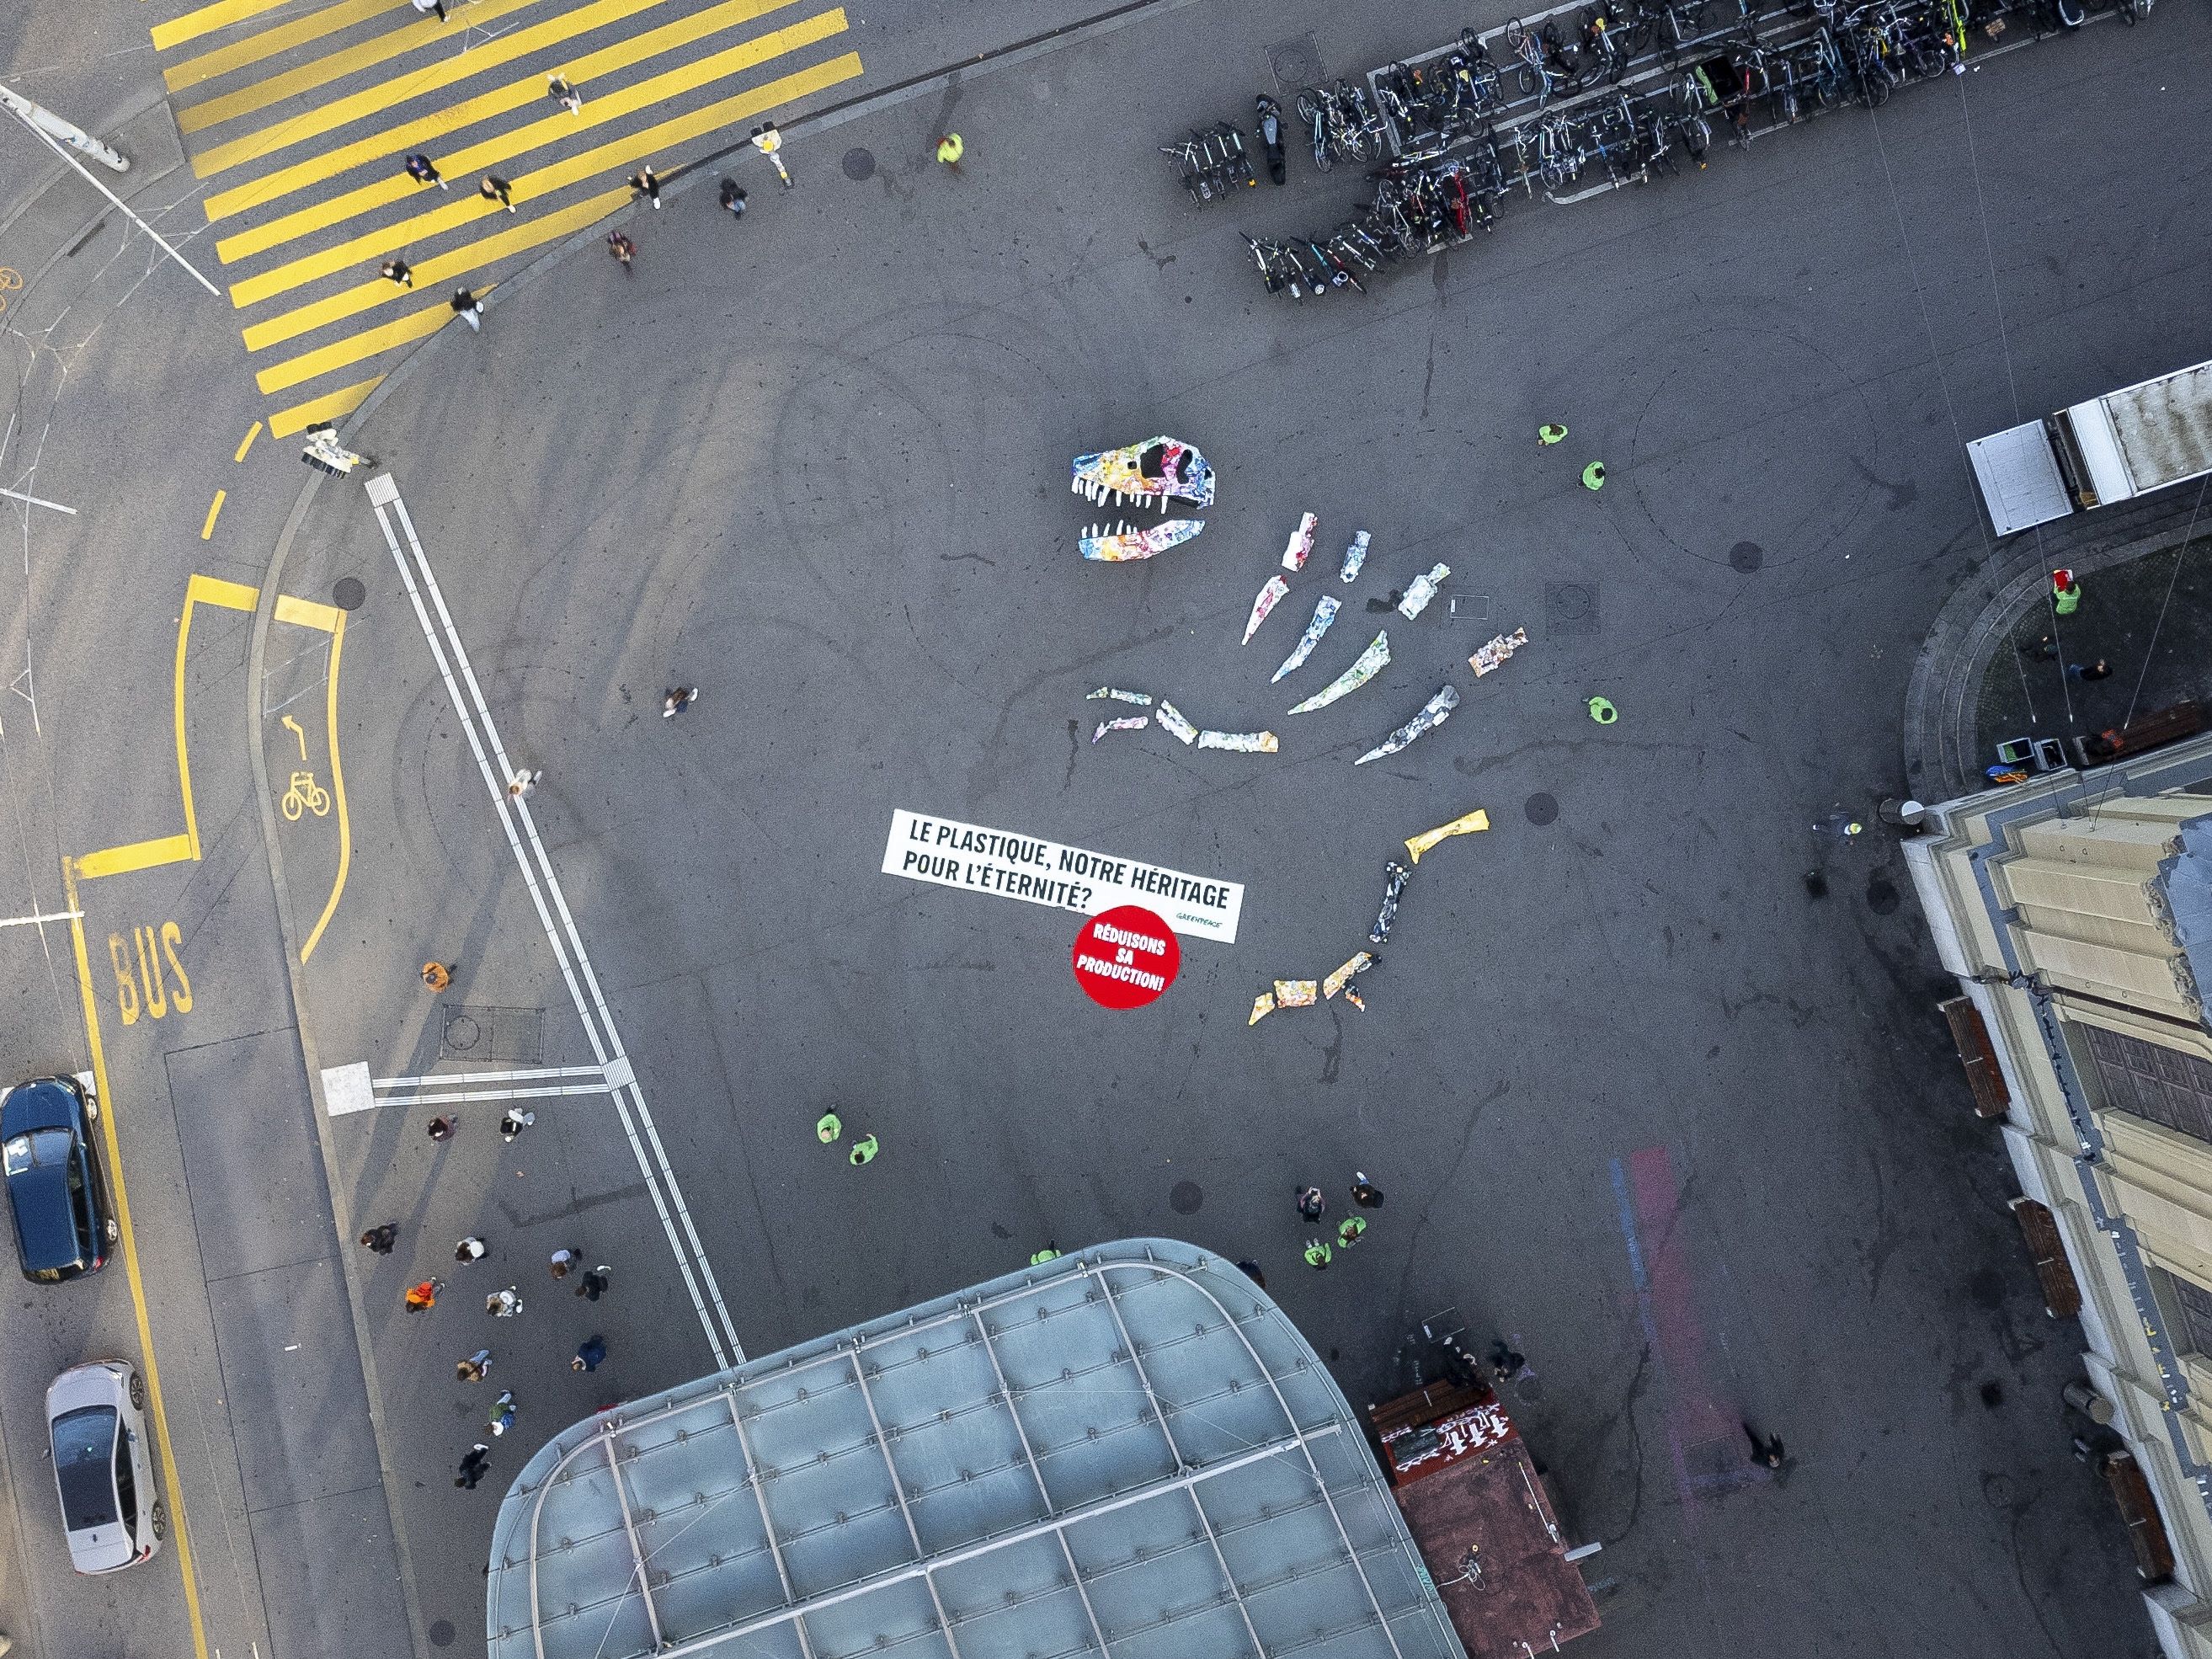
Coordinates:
1039	871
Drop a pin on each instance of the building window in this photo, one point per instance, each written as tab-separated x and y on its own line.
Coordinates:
2152	1081
2188	1309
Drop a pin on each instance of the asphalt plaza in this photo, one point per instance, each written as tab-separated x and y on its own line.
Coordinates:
1693	1142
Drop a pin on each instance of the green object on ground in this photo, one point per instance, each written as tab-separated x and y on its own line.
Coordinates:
1038	1258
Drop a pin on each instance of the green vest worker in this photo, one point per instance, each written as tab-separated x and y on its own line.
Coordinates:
827	1127
1550	434
1602	711
1051	1253
1317	1255
1594	476
863	1151
1348	1231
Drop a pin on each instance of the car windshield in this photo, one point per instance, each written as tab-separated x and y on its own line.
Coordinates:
84	1445
42	1149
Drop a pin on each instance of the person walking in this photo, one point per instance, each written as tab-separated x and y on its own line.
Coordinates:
1051	1253
562	1260
1550	433
520	787
2043	650
421	1297
1251	1271
1506	1362
515	1123
1349	1230
379	1240
864	1150
2065	592
1594	476
468	308
475	1367
397	270
1601	710
1766	1450
503	1304
595	1282
1317	1254
646	183
1312	1207
827	1128
502	1411
679	698
733	199
426	7
950	148
473	1465
564	95
1364	1193
442	1128
2089	671
493	188
423	171
437	976
621	247
471	1249
589	1352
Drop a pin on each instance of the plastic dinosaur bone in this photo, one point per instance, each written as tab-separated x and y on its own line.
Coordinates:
1487	657
1434	712
1274	590
1421	590
1325	611
1369	663
1244	743
1354	556
1301	543
1123	541
1128	723
1159	470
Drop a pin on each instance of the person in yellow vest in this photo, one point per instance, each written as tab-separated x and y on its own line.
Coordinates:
864	1150
950	149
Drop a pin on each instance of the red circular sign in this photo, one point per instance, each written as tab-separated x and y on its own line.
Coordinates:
1125	957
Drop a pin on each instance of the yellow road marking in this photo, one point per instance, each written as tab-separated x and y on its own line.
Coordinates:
208	19
395	43
130	1243
207	529
267	44
366	296
332	620
252	433
138	855
355	348
331	406
417	134
636	147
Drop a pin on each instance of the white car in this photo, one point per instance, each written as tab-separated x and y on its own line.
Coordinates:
110	1506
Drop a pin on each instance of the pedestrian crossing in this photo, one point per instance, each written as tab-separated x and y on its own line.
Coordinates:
311	197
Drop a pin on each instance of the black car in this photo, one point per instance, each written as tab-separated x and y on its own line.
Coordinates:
56	1190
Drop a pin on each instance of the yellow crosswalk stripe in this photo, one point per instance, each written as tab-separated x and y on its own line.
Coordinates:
432	272
354	348
463	164
622	152
334	406
252	50
396	42
208	19
417	134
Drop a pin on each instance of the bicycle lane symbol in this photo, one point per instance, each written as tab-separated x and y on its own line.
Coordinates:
305	795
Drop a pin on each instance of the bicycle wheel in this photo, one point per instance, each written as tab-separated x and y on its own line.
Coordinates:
1469	41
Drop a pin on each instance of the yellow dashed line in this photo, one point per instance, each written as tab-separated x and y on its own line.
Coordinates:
252	433
207	529
417	134
635	147
401	40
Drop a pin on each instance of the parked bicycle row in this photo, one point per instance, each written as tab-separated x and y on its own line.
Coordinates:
1427	202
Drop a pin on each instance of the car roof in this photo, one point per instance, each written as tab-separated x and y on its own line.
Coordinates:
43	1102
45	1220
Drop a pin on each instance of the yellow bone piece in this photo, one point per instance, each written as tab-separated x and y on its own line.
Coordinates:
1296	992
1342	977
1262	1006
1466	824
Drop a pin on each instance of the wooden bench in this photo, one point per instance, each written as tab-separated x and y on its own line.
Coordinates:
2184	718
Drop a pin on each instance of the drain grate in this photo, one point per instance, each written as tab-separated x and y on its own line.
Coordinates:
506	1036
1570	607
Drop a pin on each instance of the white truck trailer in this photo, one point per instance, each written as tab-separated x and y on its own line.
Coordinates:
2113	448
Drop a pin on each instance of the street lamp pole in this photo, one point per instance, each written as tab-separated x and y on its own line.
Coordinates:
46	125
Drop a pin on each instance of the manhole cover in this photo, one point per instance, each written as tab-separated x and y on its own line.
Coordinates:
860	164
1997	1490
1540	808
441	1633
1570	607
462	1034
1296	63
1882	894
1186	1198
1746	557
348	593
